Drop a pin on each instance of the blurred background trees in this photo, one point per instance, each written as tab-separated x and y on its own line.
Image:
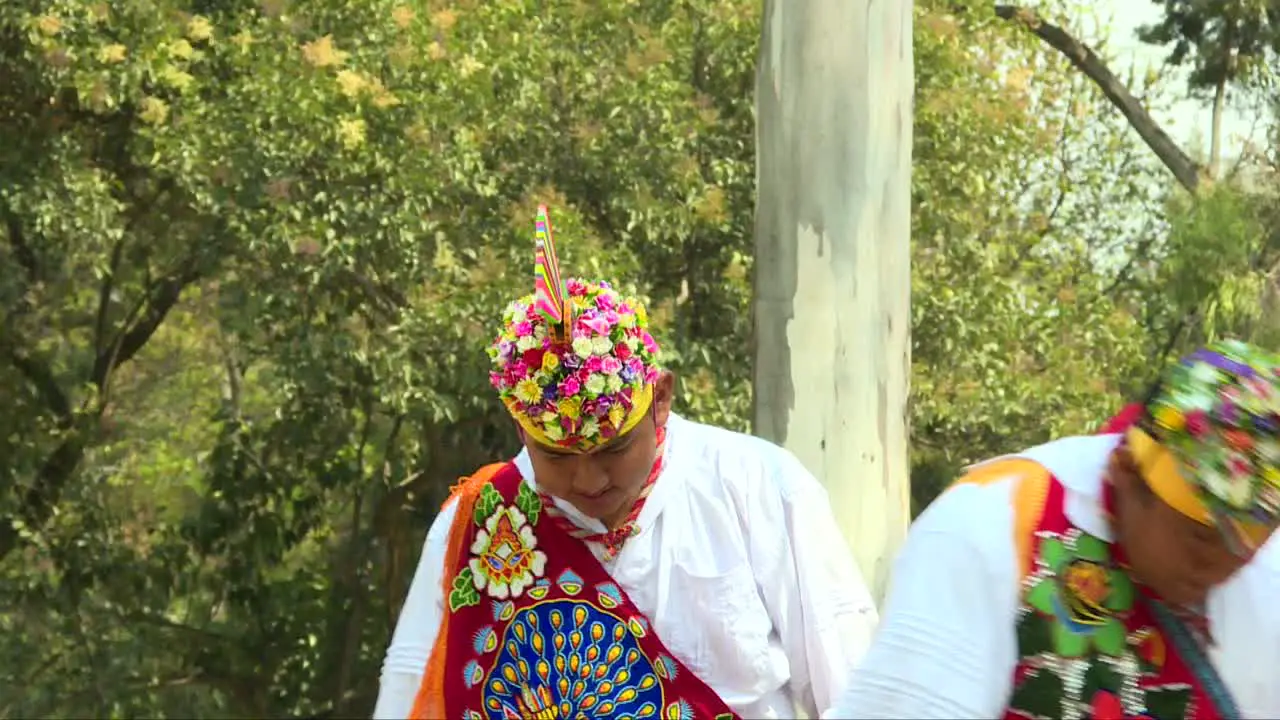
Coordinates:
251	252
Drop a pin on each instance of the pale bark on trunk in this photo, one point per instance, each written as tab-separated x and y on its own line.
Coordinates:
832	285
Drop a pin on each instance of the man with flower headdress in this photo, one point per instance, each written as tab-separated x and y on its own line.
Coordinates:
628	563
1119	575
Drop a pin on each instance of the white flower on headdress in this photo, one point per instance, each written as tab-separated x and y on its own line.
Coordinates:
1205	373
1236	491
582	347
613	384
526	343
1268	450
595	384
601	345
553	431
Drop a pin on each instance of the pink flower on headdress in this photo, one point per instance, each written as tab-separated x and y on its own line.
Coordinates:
575	286
1239	466
524	328
651	375
650	344
569	387
495	379
622	351
518	368
595	363
1259	387
610	365
635	366
596	323
612	318
1197	423
604	301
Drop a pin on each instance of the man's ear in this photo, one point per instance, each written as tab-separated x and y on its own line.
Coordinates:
664	391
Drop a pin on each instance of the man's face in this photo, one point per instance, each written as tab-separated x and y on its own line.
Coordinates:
1173	555
605	481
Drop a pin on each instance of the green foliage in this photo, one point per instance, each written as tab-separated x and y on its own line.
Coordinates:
252	252
1223	42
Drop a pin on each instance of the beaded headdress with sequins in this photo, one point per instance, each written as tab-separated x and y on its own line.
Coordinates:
1209	442
574	362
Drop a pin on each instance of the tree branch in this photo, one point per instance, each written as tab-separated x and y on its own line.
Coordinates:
1188	173
161	297
46	385
104	296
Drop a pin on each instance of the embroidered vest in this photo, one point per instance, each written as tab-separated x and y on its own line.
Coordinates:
1088	644
536	629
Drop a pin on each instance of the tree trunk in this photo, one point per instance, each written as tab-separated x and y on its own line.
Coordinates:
1215	131
832	298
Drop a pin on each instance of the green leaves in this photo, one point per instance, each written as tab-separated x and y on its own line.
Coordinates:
529	503
488	502
463	592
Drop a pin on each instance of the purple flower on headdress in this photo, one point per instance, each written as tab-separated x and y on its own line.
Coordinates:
549	393
505	349
1268	424
603	403
571	361
628	375
1227	412
635	366
1220	361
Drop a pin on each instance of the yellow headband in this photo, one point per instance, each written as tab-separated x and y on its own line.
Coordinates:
640	407
1163	474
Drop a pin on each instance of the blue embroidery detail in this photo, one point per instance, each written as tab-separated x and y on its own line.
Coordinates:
1197	661
566	659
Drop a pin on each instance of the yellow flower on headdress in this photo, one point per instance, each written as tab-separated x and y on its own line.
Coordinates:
1272	476
527	391
550	361
1170	418
616	415
570	407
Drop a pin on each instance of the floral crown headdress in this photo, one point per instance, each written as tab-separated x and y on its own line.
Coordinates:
574	362
1208	442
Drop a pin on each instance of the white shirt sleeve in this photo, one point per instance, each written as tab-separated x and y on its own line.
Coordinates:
947	646
416	629
820	606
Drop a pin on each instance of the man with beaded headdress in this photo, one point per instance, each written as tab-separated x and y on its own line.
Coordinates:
1127	574
628	562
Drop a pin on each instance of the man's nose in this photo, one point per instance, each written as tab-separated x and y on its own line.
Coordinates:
587	478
